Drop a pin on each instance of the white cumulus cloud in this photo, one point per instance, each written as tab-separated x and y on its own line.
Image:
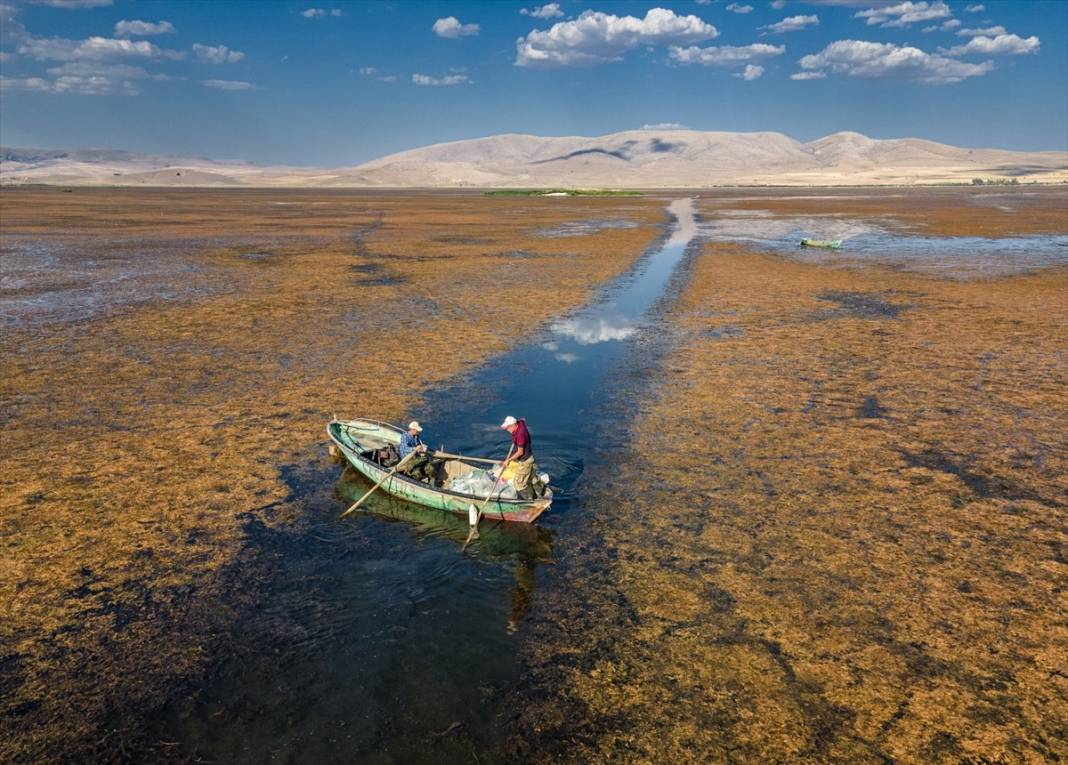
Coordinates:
724	55
985	32
873	60
90	49
903	14
1000	45
319	13
751	72
977	8
598	38
449	79
791	24
945	26
97	69
217	54
94	66
142	28
808	76
547	11
24	83
778	4
738	8
72	84
451	28
228	84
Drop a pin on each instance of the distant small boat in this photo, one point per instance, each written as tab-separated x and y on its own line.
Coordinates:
826	244
358	440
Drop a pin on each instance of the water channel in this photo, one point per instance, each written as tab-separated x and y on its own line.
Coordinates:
377	636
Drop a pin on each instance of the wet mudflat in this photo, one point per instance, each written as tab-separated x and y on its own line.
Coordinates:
810	510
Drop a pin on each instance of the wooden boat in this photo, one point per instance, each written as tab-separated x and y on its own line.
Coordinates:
358	440
827	244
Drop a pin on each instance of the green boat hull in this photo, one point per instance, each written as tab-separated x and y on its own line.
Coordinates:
353	437
530	541
826	244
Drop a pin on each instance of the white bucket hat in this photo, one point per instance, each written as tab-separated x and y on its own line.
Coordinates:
509	420
413	425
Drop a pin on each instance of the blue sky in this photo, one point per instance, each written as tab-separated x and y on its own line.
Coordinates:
337	83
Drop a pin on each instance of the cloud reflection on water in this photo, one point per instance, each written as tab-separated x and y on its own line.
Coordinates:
591	330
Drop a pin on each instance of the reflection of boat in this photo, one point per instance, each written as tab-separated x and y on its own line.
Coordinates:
827	244
359	440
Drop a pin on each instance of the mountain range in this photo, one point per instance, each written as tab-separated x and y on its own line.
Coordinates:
631	159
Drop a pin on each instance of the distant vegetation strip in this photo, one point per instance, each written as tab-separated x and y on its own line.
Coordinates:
562	192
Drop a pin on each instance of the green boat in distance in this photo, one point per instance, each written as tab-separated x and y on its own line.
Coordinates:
826	244
358	439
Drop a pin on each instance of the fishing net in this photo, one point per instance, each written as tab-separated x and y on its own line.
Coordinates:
480	483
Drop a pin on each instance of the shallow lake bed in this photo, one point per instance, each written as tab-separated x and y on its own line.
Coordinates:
800	503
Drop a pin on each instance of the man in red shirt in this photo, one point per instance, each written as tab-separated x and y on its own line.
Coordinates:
522	455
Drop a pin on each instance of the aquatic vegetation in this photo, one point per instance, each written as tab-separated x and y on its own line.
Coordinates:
833	541
142	446
824	521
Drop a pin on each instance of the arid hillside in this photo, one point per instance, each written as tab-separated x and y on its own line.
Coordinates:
632	159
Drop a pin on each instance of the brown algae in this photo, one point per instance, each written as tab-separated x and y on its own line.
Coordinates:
139	441
839	536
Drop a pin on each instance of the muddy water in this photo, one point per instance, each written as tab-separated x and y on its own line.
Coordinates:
377	639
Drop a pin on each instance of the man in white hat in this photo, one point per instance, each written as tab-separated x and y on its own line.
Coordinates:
420	467
522	455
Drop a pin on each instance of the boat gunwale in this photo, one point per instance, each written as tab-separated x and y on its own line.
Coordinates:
518	503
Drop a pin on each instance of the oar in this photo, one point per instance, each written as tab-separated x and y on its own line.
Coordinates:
447	456
382	480
473	534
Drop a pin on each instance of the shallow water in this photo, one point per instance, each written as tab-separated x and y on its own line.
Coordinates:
378	635
586	227
873	242
43	280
